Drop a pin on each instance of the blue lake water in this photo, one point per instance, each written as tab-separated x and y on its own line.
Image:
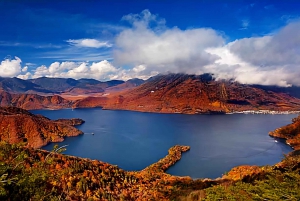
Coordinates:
134	140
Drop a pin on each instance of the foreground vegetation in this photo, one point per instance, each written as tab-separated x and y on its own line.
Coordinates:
280	182
31	174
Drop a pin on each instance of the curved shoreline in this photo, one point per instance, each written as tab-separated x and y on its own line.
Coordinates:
290	132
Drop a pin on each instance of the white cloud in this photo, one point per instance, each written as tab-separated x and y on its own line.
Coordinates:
102	70
230	66
275	57
162	49
30	64
24	69
10	67
93	43
25	76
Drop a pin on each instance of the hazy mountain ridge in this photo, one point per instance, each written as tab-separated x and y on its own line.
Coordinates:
55	85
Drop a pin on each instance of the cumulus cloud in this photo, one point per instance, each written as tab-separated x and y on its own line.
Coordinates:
102	70
10	67
93	43
149	42
272	59
230	66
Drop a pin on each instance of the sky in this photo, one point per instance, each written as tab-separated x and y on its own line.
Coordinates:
252	42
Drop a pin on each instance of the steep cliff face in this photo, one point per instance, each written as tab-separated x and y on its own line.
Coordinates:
191	94
17	125
33	101
289	132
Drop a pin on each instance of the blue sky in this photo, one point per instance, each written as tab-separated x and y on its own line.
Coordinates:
242	40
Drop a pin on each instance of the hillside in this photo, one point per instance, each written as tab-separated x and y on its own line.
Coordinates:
18	125
191	94
33	101
289	132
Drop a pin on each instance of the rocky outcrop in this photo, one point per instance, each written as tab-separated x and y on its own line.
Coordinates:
290	132
18	125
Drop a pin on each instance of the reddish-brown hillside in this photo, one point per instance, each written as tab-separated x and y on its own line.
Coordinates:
190	94
33	101
89	102
289	132
17	125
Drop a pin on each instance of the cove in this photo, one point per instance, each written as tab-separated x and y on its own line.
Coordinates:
134	140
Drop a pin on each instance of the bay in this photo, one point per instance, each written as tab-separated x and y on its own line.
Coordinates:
134	140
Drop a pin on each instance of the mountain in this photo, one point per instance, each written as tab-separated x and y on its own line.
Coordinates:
192	94
171	93
44	85
69	85
16	85
126	85
33	101
17	125
55	84
293	90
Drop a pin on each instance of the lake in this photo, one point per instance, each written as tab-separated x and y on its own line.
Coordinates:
134	140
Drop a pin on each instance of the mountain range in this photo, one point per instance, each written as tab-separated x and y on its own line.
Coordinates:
170	93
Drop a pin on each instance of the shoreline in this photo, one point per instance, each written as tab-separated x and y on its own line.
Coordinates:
273	112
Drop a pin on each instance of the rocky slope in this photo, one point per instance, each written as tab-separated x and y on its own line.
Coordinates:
289	132
17	125
191	94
